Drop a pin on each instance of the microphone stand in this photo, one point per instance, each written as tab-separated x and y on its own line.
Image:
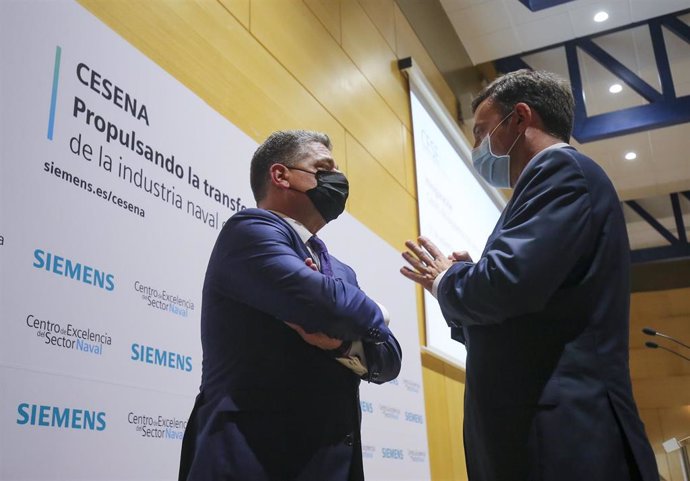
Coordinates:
653	345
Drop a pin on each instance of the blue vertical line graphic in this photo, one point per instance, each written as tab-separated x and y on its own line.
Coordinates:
53	99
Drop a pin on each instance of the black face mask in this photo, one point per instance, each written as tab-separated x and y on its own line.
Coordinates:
330	193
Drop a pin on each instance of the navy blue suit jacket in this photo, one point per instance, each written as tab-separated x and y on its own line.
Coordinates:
544	316
271	406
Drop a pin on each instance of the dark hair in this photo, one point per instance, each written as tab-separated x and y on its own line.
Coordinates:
545	92
283	147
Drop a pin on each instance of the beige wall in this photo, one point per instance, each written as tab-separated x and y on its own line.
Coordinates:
328	65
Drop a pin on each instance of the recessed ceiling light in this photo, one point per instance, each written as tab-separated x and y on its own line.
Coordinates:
630	156
601	17
615	88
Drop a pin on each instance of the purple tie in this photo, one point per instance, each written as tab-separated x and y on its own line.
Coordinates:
320	250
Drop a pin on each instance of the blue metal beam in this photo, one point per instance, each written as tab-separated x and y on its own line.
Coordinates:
664	109
536	5
576	81
678	214
511	64
679	248
631	120
619	70
661	57
677	26
665	233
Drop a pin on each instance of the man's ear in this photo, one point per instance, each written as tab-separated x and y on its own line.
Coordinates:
524	116
280	176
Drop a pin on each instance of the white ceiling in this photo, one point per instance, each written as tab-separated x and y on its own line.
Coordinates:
490	29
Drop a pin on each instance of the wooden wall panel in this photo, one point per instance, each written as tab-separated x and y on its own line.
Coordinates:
198	43
375	59
444	419
239	9
436	421
455	393
410	166
662	392
382	13
329	13
292	33
648	363
408	45
377	199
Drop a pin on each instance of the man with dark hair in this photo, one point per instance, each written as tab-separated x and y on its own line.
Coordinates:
544	312
286	332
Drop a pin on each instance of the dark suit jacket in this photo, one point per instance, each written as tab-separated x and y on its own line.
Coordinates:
271	406
544	316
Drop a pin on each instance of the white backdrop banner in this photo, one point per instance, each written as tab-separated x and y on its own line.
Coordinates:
115	181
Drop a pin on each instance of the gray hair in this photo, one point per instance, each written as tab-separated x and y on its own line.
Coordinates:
283	147
548	94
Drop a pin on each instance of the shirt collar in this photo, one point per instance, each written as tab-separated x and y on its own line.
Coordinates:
299	228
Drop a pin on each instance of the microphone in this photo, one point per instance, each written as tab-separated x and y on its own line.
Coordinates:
654	345
651	332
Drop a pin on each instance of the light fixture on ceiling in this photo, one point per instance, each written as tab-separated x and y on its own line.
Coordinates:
630	156
601	17
615	88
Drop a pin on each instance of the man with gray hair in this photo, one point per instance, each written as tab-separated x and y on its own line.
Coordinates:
286	332
544	312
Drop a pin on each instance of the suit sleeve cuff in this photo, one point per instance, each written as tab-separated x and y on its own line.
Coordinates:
355	360
384	312
437	281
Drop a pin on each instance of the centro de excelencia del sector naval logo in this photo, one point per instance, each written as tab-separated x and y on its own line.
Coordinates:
67	334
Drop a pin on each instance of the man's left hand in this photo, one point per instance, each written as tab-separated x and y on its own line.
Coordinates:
317	339
427	262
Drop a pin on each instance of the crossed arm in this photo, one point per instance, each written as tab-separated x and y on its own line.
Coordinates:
374	362
255	256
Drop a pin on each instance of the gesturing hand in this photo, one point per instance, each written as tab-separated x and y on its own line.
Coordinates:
427	262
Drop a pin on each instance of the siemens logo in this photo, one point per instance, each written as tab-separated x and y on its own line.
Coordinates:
57	417
77	271
389	453
159	357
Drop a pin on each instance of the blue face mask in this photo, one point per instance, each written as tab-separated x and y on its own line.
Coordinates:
495	169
